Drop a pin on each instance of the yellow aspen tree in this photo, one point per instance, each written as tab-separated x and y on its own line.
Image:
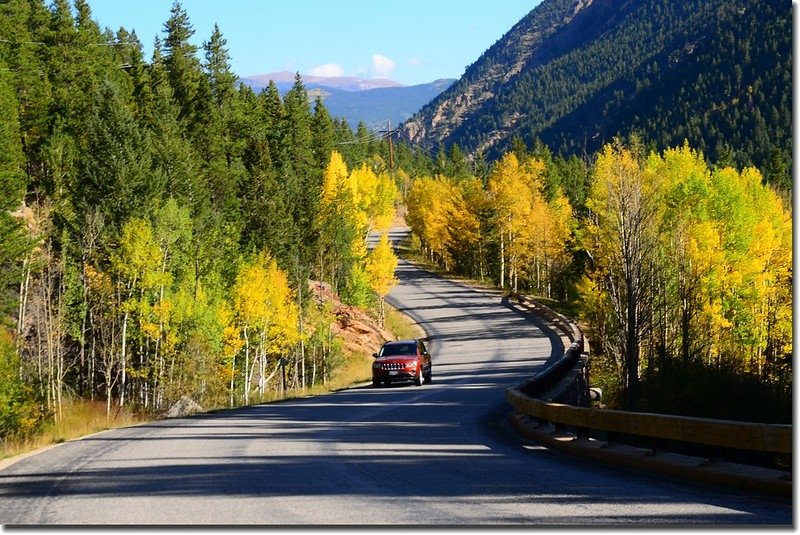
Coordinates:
341	224
768	265
416	207
693	245
511	198
250	308
374	195
231	343
136	264
464	244
622	241
428	202
282	309
550	229
731	206
334	177
281	326
363	184
382	208
264	304
381	265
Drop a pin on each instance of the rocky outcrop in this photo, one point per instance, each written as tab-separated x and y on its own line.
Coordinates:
184	407
359	332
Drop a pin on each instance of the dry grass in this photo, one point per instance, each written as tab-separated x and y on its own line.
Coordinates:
401	326
80	418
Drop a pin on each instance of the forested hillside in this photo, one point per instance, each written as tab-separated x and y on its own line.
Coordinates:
160	223
577	73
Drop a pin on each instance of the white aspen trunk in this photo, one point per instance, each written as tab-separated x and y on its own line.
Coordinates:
513	263
250	375
92	354
314	368
158	358
502	261
233	375
302	344
246	365
302	365
262	363
262	370
84	330
296	377
23	295
59	379
123	361
48	331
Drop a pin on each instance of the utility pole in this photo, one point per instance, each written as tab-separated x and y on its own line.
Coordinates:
391	149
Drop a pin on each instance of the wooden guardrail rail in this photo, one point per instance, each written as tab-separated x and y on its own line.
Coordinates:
553	383
772	438
756	437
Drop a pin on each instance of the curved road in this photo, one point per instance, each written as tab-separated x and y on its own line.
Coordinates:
440	454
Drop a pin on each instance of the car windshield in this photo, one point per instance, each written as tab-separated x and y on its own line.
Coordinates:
390	350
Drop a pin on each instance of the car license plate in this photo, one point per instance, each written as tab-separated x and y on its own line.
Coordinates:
393	372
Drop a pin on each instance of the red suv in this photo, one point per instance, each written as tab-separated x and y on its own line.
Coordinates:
404	360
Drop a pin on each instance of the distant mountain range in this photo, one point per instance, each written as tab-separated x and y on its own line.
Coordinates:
575	73
372	101
285	79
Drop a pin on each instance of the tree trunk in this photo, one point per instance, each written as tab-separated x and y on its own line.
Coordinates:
246	366
502	261
123	362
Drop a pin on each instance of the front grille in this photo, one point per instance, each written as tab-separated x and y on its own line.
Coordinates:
394	365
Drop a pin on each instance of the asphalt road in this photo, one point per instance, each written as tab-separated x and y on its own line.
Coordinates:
440	454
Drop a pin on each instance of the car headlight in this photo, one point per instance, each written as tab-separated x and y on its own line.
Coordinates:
411	365
376	366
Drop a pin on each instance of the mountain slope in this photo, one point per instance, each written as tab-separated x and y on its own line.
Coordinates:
577	72
371	101
395	104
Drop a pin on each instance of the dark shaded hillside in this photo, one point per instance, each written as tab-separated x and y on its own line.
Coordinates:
576	73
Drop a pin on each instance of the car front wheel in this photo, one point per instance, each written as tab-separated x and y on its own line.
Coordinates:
418	379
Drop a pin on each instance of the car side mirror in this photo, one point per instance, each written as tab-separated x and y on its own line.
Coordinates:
374	355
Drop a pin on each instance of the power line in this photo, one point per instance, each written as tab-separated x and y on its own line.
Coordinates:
121	43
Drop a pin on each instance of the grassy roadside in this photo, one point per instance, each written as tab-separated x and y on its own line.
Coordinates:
82	418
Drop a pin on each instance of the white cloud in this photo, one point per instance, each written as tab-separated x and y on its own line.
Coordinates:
382	67
327	70
415	62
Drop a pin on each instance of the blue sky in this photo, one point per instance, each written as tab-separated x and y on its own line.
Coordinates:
410	41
